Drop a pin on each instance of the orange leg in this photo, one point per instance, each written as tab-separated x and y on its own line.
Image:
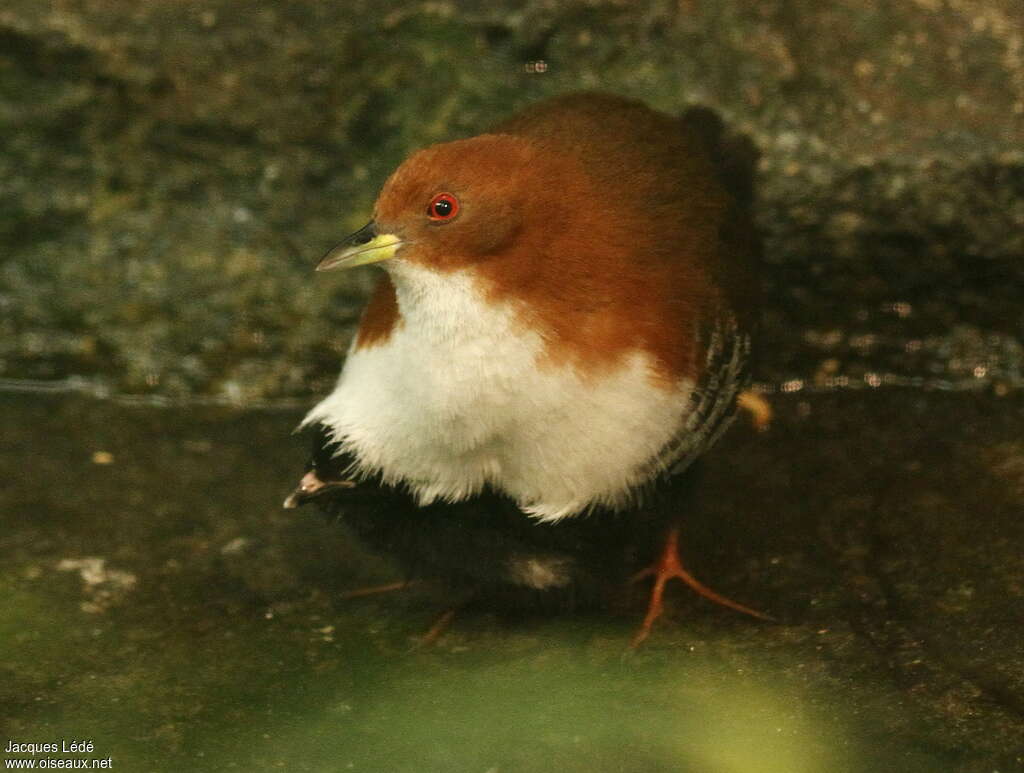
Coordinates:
667	567
436	630
375	589
439	627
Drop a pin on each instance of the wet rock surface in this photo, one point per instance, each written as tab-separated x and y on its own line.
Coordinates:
171	175
882	528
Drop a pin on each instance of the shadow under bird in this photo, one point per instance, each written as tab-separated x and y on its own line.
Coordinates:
562	328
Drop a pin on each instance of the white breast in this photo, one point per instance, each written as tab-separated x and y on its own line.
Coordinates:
460	396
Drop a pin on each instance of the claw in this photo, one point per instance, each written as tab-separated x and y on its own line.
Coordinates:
668	567
311	487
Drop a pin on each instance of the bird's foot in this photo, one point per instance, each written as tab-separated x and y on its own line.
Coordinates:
442	624
668	567
373	590
758	407
311	487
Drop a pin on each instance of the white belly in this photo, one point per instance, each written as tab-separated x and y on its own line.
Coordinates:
460	396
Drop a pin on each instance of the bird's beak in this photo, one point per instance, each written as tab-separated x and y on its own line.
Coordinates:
364	246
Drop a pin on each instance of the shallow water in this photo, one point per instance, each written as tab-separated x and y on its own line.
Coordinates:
158	601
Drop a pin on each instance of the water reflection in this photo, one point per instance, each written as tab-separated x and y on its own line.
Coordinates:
555	709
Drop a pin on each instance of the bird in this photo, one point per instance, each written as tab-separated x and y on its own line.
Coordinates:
562	327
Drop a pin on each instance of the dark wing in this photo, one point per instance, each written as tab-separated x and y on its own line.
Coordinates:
726	333
712	406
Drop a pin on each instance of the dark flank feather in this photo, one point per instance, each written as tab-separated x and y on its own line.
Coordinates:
486	549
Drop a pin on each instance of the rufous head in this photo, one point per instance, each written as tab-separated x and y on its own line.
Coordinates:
604	225
448	205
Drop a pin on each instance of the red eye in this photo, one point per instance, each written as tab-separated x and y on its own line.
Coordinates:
443	207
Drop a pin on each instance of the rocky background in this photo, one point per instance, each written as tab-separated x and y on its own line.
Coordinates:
170	172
